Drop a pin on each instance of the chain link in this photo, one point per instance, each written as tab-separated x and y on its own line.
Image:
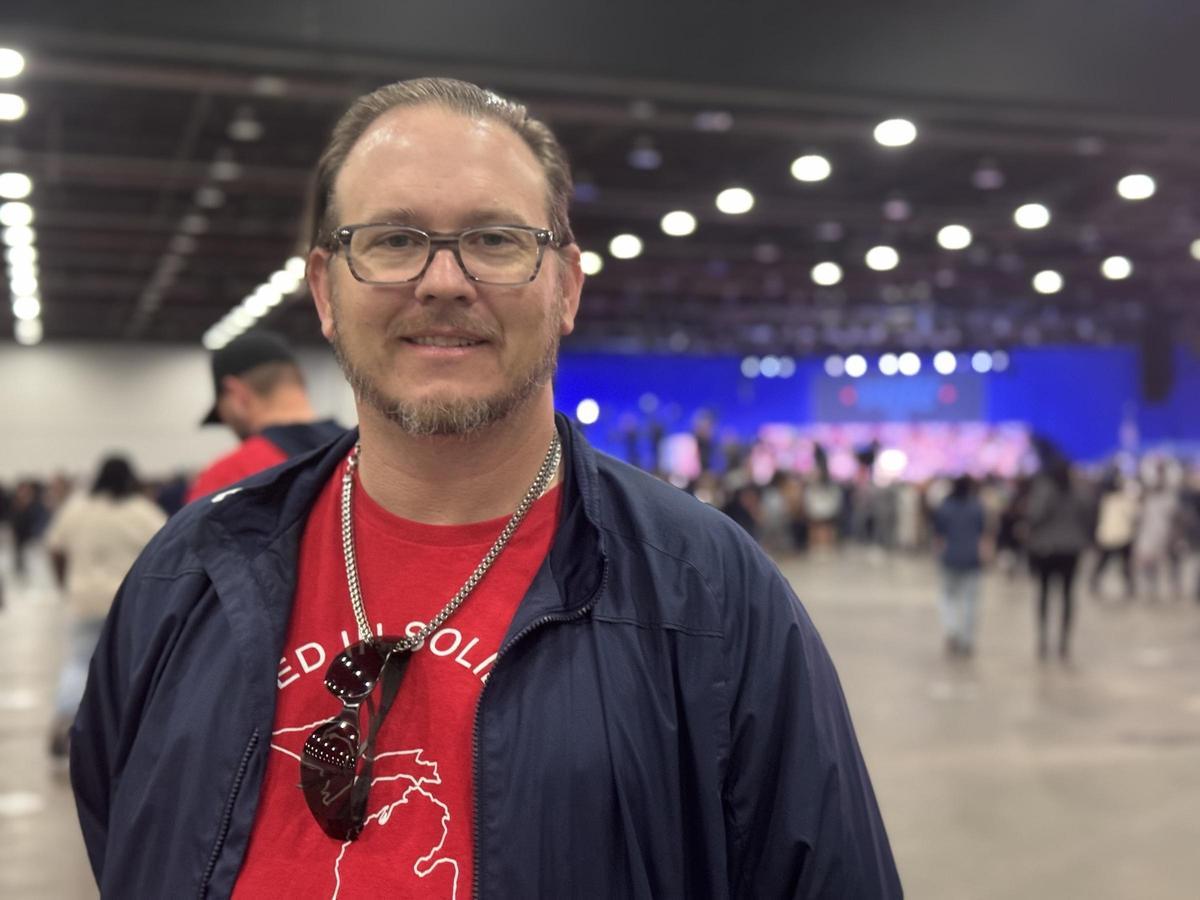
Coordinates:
539	486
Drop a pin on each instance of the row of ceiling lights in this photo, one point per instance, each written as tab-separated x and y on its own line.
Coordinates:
16	218
280	285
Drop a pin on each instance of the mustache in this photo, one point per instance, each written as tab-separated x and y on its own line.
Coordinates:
446	322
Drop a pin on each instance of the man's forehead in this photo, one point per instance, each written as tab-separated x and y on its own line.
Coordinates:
442	143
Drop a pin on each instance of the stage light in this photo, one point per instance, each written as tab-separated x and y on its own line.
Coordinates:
625	246
830	273
954	237
889	364
1116	268
1047	281
1031	216
588	411
12	107
591	262
982	362
999	361
835	366
678	223
945	362
770	367
787	367
15	185
12	63
1136	187
910	363
734	201
882	258
895	133
751	367
856	365
892	461
811	167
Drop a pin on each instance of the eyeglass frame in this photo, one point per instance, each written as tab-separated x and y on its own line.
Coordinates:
545	237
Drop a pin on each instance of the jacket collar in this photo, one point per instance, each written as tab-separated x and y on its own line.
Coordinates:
254	530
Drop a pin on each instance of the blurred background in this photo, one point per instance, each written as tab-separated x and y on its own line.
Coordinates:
839	257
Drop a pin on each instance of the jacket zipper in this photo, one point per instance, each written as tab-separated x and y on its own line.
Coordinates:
532	626
223	831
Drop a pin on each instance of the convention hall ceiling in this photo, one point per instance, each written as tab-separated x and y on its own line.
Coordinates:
170	153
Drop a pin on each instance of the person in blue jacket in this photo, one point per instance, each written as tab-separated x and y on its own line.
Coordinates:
457	652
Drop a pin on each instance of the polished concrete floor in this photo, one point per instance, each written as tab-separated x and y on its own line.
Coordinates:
999	777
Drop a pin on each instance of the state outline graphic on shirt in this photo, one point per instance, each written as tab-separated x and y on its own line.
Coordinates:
390	768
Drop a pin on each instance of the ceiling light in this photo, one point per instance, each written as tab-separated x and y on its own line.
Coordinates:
1047	282
285	281
1032	215
28	331
826	273
12	107
244	127
954	237
1136	187
644	155
811	167
889	364
21	255
882	258
296	265
734	201
27	307
587	411
1196	249
15	185
713	120
193	223
1116	268
15	213
910	363
625	246
982	362
751	367
835	366
257	304
22	268
22	283
895	133
591	262
242	318
945	362
214	339
856	365
678	223
12	63
897	209
988	176
209	197
18	236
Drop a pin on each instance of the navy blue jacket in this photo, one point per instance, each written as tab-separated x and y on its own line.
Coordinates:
662	721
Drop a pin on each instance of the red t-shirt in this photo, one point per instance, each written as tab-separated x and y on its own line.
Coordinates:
418	838
253	455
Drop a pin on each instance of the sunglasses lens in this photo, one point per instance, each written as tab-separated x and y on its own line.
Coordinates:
327	769
353	674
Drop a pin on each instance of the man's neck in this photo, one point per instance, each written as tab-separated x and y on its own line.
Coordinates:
455	480
287	406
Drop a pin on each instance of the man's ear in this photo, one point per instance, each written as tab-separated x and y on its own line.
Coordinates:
571	278
319	277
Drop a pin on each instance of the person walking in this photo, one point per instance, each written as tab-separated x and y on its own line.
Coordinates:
1116	526
1059	523
959	526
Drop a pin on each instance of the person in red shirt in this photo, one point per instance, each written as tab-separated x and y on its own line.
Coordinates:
261	397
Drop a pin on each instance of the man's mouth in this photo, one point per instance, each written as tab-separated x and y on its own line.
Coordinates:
439	341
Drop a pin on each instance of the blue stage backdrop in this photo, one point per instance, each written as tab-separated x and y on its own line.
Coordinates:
1087	400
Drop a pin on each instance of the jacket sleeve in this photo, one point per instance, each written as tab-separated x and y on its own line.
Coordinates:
95	737
803	821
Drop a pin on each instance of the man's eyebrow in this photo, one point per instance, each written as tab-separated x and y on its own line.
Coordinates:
489	215
400	215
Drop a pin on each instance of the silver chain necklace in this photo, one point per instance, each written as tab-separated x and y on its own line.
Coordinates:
540	483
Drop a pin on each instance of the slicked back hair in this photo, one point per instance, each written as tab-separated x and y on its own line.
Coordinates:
455	96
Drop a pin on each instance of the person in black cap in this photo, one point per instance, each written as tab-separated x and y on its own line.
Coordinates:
261	397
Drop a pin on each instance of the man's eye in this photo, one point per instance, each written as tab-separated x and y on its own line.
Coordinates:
493	238
396	240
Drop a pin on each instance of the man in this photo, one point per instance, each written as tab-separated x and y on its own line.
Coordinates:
564	678
261	397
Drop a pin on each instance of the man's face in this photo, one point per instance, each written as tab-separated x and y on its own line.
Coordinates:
440	171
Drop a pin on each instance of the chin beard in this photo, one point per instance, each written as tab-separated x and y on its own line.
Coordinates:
450	417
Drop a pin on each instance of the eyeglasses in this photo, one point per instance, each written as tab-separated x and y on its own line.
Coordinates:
336	764
395	254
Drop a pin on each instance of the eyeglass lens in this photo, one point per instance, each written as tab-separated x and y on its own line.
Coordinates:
390	253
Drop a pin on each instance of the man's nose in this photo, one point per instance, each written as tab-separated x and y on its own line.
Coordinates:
444	278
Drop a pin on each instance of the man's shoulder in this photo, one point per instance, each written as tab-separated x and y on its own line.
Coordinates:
252	455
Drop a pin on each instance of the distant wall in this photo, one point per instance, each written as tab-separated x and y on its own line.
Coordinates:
64	405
